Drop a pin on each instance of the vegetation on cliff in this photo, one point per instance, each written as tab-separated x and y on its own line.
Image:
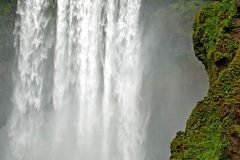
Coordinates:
212	131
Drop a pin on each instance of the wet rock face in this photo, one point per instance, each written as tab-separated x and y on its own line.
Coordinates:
7	22
238	5
232	132
234	141
213	129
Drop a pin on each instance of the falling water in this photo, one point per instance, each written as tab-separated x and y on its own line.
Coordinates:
78	78
122	80
33	46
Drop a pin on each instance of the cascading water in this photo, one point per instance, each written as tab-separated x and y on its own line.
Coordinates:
33	46
92	111
122	81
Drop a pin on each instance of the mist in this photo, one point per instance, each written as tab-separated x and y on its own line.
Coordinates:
85	86
174	80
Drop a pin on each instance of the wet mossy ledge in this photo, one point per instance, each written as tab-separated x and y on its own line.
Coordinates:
213	129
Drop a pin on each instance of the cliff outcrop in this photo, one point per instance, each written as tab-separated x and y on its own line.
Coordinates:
213	129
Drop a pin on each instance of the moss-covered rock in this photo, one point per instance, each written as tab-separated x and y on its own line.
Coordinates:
212	131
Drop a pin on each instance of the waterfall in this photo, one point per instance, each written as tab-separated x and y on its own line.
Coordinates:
78	81
122	80
33	44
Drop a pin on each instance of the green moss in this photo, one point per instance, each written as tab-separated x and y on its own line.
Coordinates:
211	131
203	135
212	42
237	128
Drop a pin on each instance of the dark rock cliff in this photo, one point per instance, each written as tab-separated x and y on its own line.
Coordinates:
213	129
7	21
